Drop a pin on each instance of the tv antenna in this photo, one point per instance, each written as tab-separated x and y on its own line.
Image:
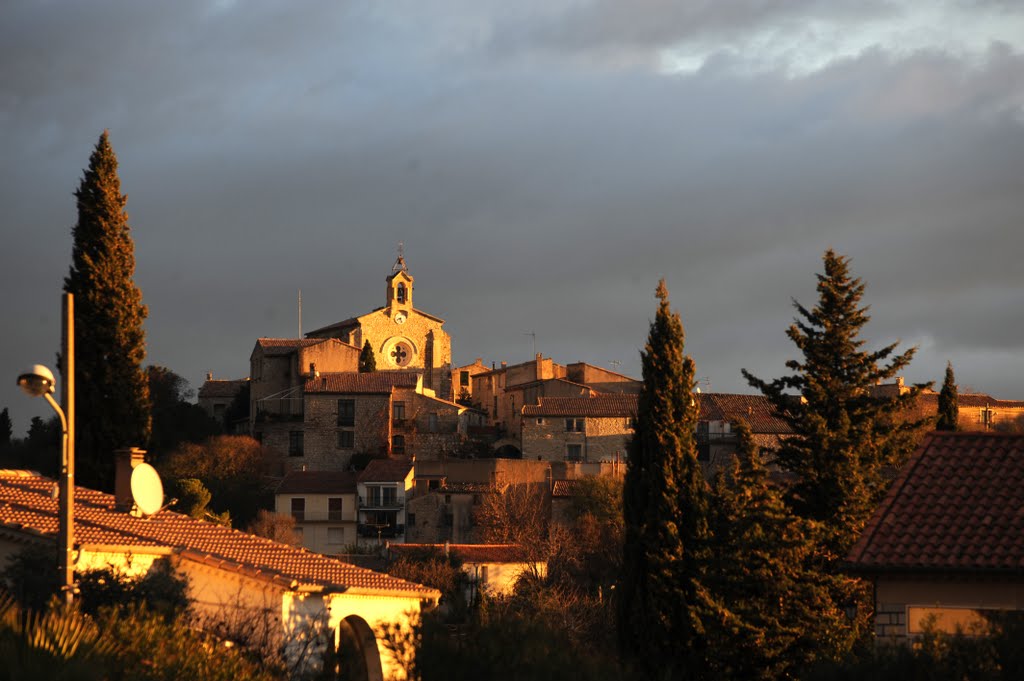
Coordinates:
534	336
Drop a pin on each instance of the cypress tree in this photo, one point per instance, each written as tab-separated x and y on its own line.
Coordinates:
367	360
664	509
948	402
6	428
112	398
845	432
774	612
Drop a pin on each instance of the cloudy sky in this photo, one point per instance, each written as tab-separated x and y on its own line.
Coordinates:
545	163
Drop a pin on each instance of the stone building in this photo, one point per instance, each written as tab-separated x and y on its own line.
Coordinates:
579	429
217	394
403	337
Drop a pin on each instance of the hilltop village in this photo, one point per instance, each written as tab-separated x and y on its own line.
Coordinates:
403	452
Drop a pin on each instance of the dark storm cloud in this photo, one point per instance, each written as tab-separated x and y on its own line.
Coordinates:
267	148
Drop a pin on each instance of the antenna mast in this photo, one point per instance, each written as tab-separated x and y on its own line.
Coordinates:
534	336
300	314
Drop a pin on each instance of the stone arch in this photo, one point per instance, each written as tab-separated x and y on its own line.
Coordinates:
358	654
507	448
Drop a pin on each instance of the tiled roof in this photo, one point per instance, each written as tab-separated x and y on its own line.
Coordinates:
318	482
467	553
27	506
351	382
756	410
565	488
982	400
349	323
217	387
386	470
596	406
284	346
957	506
467	488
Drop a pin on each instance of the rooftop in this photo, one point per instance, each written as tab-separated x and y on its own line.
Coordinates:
318	482
386	470
957	506
220	387
613	405
353	382
28	507
467	553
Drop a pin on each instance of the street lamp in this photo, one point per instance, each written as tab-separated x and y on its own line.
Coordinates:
38	381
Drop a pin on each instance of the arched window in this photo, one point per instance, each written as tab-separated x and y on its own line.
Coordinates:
400	293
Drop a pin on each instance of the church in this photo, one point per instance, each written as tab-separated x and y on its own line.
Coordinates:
403	338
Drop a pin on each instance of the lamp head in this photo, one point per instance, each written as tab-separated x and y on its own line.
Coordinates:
37	381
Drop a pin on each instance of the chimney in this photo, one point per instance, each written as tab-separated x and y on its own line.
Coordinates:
504	364
209	375
125	461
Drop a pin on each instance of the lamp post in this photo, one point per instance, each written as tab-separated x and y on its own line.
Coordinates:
38	381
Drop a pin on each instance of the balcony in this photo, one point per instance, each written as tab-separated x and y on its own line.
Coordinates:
381	503
384	532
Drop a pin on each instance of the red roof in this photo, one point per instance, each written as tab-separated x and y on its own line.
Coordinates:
565	488
354	382
27	507
756	410
283	346
614	405
386	470
219	387
318	482
958	506
467	553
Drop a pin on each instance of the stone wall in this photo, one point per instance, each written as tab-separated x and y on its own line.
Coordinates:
602	438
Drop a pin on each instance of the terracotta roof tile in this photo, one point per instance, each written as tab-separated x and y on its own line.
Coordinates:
958	505
284	346
565	488
756	410
318	482
217	387
612	405
467	553
386	470
28	506
353	382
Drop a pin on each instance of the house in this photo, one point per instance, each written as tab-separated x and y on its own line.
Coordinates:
279	369
232	576
492	569
947	542
323	504
383	487
217	394
403	337
445	511
579	429
716	437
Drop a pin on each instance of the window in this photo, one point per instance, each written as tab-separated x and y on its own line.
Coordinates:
540	422
218	410
346	413
398	444
483	574
574	425
631	422
432	423
295	443
464	378
398	412
299	509
346	439
335	507
433	484
400	293
336	535
574	452
410	519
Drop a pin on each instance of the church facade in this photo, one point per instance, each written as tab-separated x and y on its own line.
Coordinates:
402	337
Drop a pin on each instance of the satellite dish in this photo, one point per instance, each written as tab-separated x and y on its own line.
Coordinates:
147	490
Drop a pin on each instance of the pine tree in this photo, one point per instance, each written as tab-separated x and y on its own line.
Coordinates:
948	402
844	432
774	612
112	396
664	508
367	360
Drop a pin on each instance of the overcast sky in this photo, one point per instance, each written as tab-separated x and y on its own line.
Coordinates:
545	163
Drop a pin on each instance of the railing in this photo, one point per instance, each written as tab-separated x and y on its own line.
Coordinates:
379	503
384	532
